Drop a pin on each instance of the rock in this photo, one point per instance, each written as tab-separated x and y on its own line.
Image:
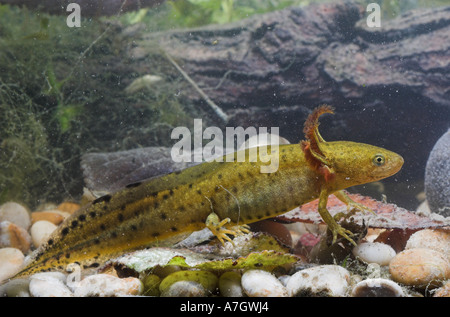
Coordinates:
230	285
259	283
11	235
16	288
49	284
443	291
53	217
15	213
40	231
374	252
322	280
106	172
438	240
68	207
206	279
422	268
185	289
151	285
437	179
11	261
377	287
105	285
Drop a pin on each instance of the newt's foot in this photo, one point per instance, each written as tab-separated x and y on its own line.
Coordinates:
337	229
217	227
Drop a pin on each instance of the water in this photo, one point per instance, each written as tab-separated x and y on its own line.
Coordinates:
65	88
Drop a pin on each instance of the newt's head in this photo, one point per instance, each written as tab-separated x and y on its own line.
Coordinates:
345	164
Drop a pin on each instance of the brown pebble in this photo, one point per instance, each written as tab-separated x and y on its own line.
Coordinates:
422	268
68	207
49	216
14	236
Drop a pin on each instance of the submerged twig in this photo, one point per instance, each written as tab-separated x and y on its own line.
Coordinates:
219	112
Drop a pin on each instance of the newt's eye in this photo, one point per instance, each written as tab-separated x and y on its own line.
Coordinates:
378	160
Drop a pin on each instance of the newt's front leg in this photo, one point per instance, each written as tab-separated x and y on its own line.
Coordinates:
334	227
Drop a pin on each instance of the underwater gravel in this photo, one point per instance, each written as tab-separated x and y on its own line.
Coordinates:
421	268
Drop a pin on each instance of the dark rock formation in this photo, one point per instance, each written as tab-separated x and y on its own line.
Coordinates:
437	177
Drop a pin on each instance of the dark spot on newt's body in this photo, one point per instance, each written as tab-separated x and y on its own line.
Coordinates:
74	223
92	214
50	242
105	198
103	227
155	234
165	196
120	217
65	231
163	216
174	229
133	227
82	217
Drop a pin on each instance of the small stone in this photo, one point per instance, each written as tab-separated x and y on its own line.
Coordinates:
105	285
16	288
437	240
230	285
374	252
49	216
68	207
443	291
185	289
322	280
151	285
49	284
377	287
11	261
11	235
40	232
259	283
15	213
423	268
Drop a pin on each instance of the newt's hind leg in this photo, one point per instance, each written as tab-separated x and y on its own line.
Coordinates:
219	228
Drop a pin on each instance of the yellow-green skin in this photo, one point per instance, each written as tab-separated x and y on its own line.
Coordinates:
151	212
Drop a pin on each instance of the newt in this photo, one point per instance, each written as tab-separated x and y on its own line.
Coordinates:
222	196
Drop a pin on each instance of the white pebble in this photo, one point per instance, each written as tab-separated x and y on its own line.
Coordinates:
437	240
374	252
11	261
15	213
40	231
322	280
259	283
15	288
377	287
105	285
230	285
49	285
